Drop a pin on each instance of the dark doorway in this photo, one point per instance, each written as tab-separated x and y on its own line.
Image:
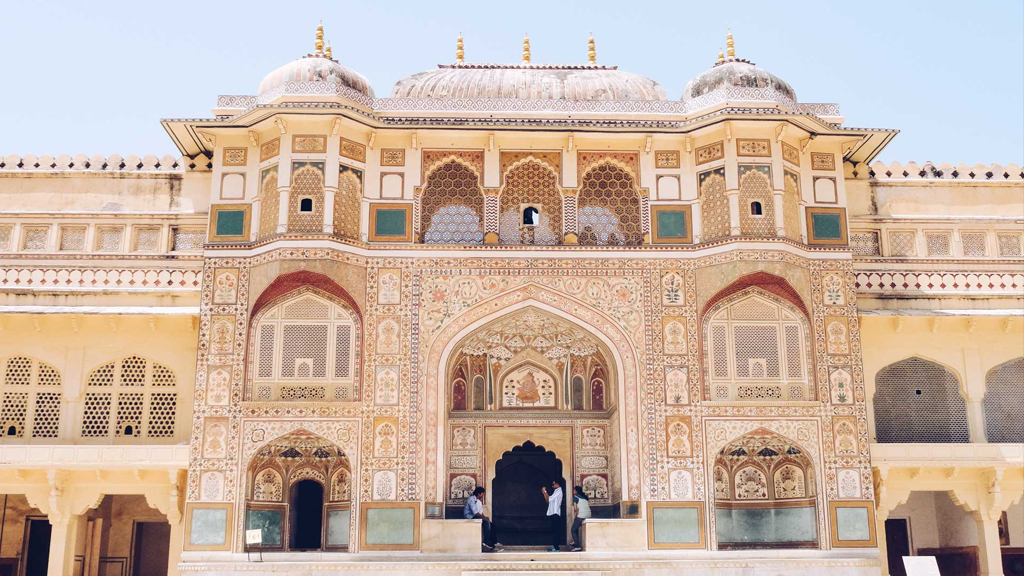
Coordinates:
897	545
519	506
152	543
37	546
307	515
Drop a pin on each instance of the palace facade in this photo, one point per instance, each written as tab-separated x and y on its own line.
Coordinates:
301	345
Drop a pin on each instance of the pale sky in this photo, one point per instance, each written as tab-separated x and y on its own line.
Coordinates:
96	77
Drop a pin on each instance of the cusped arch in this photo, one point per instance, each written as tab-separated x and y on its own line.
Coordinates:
624	357
919	400
534	183
1004	396
451	203
609	207
32	393
130	397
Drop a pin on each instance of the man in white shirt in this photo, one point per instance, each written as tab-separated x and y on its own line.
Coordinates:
555	513
475	509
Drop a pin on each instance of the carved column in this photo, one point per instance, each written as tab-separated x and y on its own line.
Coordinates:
990	555
64	531
570	217
734	212
282	211
492	216
329	194
803	222
780	217
255	219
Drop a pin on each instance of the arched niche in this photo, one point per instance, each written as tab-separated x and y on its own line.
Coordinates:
1004	396
918	400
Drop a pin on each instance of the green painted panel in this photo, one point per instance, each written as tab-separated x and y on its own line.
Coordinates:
827	226
209	527
672	224
338	527
852	524
676	525
269	521
390	223
390	526
766	525
230	222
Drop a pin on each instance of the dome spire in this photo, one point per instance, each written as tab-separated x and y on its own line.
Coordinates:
730	45
721	57
319	44
459	53
526	49
591	51
327	51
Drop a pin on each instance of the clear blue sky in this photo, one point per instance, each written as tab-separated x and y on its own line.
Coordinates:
96	77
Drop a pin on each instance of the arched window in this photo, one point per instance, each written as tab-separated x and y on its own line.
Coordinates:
919	401
758	349
530	205
755	209
1004	396
307	191
452	206
305	348
609	207
459	391
130	398
30	399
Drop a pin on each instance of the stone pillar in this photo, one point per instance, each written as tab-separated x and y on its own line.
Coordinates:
780	217
974	393
696	221
64	533
329	194
990	556
282	213
734	212
254	227
883	546
176	545
803	222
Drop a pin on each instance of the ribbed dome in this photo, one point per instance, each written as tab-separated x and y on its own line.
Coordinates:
312	75
731	77
528	82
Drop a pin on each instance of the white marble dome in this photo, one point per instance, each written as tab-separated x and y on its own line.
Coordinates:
737	80
528	82
312	75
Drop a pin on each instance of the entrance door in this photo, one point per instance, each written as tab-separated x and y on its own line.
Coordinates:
37	547
519	508
307	515
152	543
897	545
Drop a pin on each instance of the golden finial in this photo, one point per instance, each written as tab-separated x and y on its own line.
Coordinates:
730	45
526	49
591	52
327	51
721	57
459	53
319	39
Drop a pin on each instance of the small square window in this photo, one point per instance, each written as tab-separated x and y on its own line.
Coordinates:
756	209
531	216
305	204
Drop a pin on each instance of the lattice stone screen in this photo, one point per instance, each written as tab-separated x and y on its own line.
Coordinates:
919	401
30	399
72	238
130	398
864	243
609	208
974	243
1004	399
187	239
758	351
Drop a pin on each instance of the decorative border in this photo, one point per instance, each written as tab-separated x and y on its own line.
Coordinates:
740	142
666	158
385	151
871	542
687	209
823	161
365	507
352	150
321	147
652	545
812	240
228	151
215	210
710	148
377	206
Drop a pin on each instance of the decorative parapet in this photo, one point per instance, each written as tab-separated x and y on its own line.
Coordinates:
123	279
245	102
917	283
99	163
929	171
93	457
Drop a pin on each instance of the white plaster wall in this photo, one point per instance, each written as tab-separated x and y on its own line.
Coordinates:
1015	521
935	522
956	526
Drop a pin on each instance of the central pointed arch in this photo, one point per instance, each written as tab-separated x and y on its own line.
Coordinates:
625	357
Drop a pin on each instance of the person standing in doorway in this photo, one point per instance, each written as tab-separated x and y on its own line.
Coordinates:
581	510
555	513
474	509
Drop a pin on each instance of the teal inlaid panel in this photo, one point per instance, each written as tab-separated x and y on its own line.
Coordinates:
269	521
766	525
338	527
230	222
827	226
676	525
390	222
672	224
390	526
209	527
852	524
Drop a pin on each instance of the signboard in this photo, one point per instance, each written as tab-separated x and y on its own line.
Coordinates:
921	566
254	536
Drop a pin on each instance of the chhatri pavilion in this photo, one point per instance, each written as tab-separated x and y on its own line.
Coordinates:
302	345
